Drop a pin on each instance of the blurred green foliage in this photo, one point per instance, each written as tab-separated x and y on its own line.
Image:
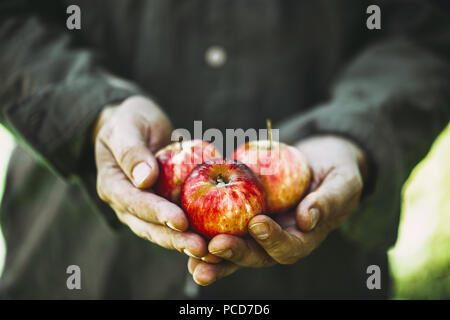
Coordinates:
420	260
6	146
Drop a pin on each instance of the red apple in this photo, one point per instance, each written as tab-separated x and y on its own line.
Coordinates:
176	162
221	196
282	170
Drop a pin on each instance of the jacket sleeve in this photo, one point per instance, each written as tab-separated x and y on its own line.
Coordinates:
393	99
52	89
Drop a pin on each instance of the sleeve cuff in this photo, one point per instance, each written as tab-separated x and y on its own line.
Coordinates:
57	123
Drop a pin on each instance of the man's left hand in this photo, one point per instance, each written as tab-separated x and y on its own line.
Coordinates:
339	168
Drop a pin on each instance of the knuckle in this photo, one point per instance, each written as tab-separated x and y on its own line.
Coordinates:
105	133
100	190
128	156
327	202
297	250
286	254
355	182
121	220
131	208
274	245
239	255
125	155
107	113
146	235
119	216
164	239
172	242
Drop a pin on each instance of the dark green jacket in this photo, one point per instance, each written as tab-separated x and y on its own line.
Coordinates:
311	65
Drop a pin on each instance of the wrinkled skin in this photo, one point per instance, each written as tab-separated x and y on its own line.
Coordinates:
338	169
126	138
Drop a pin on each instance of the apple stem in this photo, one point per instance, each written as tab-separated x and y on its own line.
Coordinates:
269	132
180	141
219	179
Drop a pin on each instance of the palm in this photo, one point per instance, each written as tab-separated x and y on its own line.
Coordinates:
338	168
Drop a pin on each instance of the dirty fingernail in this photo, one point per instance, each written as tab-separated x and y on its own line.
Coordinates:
227	253
211	258
315	215
190	254
171	226
140	172
260	230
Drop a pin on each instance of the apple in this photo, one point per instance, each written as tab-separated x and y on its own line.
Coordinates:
176	162
221	196
282	170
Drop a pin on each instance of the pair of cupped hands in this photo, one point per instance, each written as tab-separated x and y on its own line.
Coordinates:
128	135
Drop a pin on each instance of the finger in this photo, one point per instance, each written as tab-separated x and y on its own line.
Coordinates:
189	243
205	273
310	240
114	188
192	264
332	201
243	252
128	143
307	219
282	246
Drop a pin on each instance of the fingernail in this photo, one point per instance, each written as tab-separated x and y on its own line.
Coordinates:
190	254
171	226
202	283
227	253
140	173
211	258
260	230
315	215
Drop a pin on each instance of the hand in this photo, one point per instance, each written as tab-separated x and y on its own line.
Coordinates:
338	170
126	136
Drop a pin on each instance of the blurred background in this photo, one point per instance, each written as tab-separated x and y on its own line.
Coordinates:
420	260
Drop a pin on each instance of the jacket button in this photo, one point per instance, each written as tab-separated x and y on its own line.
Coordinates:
215	56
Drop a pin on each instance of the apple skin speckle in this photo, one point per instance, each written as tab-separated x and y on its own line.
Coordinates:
282	170
214	209
176	162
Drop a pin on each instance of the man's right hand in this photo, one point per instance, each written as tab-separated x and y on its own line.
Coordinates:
126	136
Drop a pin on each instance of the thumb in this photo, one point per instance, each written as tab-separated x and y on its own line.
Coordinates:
336	197
131	152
